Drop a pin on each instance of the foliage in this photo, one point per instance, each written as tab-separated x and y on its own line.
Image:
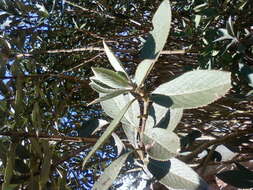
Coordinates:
48	51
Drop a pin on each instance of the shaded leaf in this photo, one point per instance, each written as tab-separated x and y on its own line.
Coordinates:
161	144
46	164
237	178
193	89
113	125
162	117
110	173
108	96
110	78
181	176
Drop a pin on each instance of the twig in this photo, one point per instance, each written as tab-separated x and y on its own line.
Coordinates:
165	52
49	137
216	142
207	159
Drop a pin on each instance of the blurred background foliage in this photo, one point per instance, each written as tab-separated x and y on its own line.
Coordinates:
47	48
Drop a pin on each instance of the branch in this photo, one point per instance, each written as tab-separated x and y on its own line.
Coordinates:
165	52
218	141
49	137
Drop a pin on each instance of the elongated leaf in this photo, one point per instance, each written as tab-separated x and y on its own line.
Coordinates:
46	164
110	173
163	117
110	78
10	164
158	36
113	106
181	176
161	144
100	87
115	62
118	143
143	70
108	96
193	89
237	178
108	131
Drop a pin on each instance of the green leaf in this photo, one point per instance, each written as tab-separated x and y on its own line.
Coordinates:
10	164
143	70
46	164
110	173
108	96
161	144
115	62
163	117
100	87
193	89
238	178
158	36
108	131
110	78
247	72
181	176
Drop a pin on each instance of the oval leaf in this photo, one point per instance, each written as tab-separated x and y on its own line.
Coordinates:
193	89
161	144
181	176
110	173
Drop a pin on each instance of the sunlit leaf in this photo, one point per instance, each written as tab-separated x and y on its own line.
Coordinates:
181	176
108	131
158	36
193	89
161	144
110	173
115	62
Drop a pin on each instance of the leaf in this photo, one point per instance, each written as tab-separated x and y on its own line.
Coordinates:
247	72
116	64
143	70
118	143
110	78
113	125
110	173
108	96
161	144
181	176
163	117
158	36
100	87
113	106
237	178
10	164
193	89
46	164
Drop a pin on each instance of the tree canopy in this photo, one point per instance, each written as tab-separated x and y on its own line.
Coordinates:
49	52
